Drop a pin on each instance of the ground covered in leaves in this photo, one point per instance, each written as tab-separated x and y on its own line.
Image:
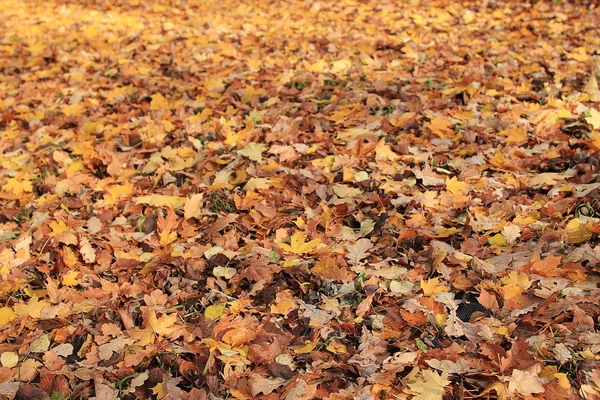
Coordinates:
299	200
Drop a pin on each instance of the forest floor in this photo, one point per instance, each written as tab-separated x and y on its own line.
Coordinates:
224	199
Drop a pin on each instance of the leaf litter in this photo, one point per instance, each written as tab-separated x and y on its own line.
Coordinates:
337	200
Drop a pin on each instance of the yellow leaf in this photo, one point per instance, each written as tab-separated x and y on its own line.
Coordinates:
594	119
254	184
384	152
9	359
58	228
441	126
427	385
159	200
159	391
162	326
514	284
253	151
563	380
70	278
592	86
307	348
515	135
69	257
18	187
336	347
166	237
497	240
7	315
214	84
74	167
201	117
158	102
320	67
341	66
454	186
117	192
169	127
595	142
298	245
33	308
441	319
577	232
73	110
432	286
214	312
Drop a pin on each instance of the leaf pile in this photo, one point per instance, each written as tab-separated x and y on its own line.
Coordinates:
299	200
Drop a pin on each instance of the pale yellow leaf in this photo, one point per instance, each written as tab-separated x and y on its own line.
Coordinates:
160	200
9	359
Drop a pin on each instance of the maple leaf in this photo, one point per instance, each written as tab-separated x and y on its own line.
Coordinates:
515	135
515	284
162	326
441	126
58	227
158	102
117	192
33	308
358	250
284	305
298	244
17	187
427	385
70	278
253	151
454	186
432	286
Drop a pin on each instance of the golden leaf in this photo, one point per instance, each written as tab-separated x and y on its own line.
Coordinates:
298	245
158	102
432	286
160	200
7	315
214	312
70	278
17	187
58	228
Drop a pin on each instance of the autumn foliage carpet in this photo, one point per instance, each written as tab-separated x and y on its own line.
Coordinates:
299	200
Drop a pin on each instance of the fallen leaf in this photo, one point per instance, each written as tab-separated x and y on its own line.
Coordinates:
358	251
525	383
9	359
298	244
